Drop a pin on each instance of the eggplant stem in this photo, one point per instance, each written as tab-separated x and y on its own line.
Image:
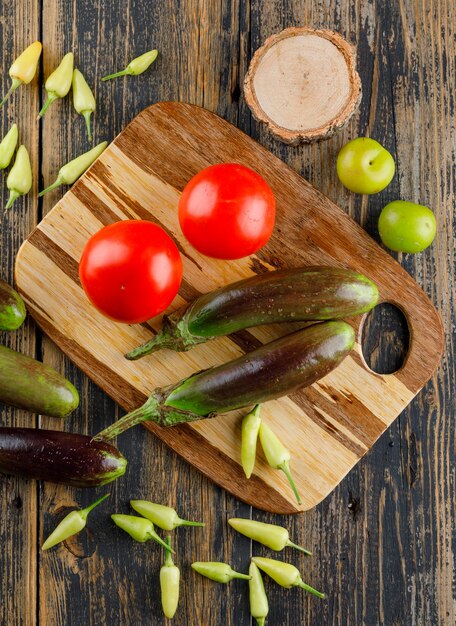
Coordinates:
153	345
149	411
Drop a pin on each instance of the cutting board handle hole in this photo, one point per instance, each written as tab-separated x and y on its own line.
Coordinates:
385	338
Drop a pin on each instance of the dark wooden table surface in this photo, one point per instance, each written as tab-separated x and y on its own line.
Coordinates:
384	541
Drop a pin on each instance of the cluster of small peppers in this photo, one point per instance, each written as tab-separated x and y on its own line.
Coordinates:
284	574
57	85
142	529
277	455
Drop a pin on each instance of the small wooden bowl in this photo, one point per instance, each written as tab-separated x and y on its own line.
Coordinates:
303	84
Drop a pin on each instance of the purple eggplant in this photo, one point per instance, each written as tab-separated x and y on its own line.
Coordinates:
59	457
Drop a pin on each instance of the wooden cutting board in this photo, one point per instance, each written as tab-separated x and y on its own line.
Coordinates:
329	426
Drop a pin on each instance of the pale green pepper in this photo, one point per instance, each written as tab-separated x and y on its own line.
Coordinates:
284	574
83	99
139	528
19	180
169	584
270	535
259	605
23	68
58	83
250	428
220	572
69	173
277	455
137	66
8	146
162	516
72	524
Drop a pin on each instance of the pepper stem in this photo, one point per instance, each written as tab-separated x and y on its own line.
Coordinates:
50	99
14	195
241	576
260	621
116	74
14	85
87	115
168	558
186	522
54	185
310	589
148	411
286	470
293	545
159	540
86	511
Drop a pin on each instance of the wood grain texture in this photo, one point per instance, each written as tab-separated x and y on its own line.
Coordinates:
19	27
384	541
140	176
303	84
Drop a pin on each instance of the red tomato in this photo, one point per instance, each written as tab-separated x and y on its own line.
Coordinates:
227	211
131	270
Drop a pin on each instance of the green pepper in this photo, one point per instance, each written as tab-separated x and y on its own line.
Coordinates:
270	535
23	68
58	83
169	584
72	524
19	180
83	99
284	574
137	66
250	428
70	172
8	146
259	606
162	516
220	572
139	528
277	455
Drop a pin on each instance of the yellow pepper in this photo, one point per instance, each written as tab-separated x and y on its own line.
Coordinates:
137	66
285	574
83	99
19	180
24	68
58	83
71	524
169	584
277	455
8	146
69	173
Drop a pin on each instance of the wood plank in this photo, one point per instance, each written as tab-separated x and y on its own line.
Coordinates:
19	27
383	540
118	584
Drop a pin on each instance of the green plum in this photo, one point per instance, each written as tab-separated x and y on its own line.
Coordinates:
365	166
406	226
